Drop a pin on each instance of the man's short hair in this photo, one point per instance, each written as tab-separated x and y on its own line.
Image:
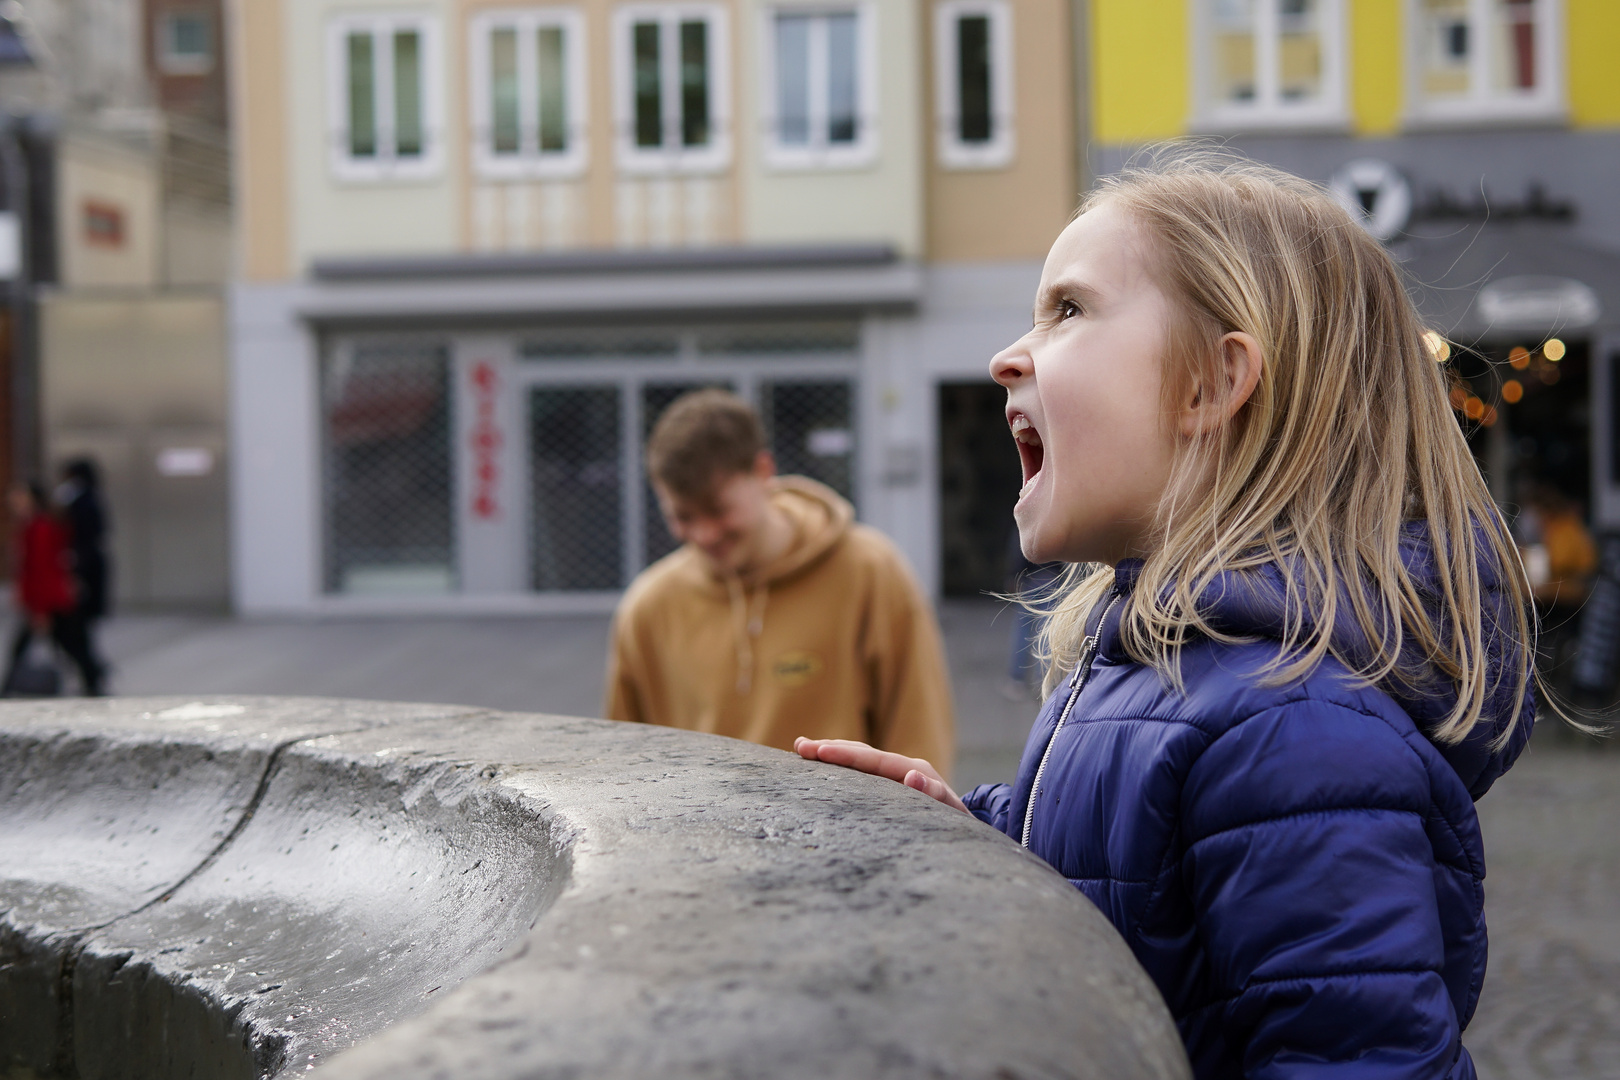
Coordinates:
703	437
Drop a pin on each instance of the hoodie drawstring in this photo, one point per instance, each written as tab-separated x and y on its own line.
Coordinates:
748	623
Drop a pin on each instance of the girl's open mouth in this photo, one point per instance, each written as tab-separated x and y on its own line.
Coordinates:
1030	451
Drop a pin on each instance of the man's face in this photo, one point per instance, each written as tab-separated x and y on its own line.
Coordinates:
727	523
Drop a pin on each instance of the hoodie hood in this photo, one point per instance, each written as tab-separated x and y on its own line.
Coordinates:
1252	603
820	518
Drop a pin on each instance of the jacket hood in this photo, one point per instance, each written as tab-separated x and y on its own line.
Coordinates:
1252	603
820	518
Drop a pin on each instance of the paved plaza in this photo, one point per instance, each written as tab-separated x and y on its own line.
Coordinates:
1551	1006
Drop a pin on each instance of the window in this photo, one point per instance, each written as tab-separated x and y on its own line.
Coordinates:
185	43
389	518
671	89
383	97
973	83
528	93
103	224
1484	59
819	82
1269	62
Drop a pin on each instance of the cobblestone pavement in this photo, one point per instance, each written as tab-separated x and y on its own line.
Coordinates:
1551	1004
550	665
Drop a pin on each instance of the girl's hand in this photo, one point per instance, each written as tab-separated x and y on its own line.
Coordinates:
910	771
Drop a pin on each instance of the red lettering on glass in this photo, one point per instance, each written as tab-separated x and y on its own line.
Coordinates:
486	442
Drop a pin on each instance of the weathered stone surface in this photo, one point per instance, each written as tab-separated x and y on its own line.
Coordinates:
252	887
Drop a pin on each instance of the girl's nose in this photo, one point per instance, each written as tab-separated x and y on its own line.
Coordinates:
1011	364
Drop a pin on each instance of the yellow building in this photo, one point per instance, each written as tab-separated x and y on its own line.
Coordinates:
1358	68
482	244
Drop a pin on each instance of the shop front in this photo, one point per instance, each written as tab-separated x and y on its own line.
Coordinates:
466	435
1532	319
512	462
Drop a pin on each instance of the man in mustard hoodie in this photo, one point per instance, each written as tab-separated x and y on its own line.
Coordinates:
779	616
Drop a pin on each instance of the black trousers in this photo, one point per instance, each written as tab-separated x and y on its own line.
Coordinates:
71	631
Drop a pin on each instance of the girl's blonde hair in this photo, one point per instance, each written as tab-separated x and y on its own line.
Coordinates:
1348	437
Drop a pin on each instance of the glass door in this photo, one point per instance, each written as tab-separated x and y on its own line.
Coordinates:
576	478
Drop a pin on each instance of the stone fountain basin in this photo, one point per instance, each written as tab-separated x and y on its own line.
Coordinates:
261	887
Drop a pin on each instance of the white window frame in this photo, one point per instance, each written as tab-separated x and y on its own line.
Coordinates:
385	166
819	153
1268	110
953	153
1481	103
530	161
671	157
173	63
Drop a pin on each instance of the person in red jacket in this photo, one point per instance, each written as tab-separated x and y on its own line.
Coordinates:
45	593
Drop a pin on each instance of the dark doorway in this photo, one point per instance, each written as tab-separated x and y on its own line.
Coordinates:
1530	419
979	478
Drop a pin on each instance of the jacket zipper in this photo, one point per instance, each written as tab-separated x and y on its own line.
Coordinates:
1082	672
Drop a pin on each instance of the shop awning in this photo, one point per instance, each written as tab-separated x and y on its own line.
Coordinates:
1510	282
470	289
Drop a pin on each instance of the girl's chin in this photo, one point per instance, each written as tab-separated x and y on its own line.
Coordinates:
1029	538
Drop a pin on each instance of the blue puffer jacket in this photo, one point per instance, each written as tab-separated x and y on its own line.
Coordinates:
1298	868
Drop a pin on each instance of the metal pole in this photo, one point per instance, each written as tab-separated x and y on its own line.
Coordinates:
25	449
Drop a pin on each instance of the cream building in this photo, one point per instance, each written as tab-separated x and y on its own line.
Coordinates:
481	245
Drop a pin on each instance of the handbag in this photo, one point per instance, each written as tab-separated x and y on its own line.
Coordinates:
35	673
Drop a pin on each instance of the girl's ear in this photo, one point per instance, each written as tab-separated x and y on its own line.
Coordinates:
1237	374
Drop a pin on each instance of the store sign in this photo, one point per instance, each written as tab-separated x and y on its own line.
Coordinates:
1375	194
1537	305
831	442
486	440
184	461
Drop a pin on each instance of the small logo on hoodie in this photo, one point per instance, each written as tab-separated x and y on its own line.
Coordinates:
796	668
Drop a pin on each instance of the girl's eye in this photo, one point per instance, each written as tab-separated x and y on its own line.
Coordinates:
1067	309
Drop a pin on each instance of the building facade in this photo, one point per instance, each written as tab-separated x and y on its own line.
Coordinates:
482	245
1480	139
123	107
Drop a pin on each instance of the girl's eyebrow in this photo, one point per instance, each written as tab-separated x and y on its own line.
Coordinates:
1070	289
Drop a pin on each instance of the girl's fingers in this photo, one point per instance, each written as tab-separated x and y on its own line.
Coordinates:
912	772
934	788
859	756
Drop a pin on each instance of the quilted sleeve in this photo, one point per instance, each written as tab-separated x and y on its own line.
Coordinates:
991	804
1313	886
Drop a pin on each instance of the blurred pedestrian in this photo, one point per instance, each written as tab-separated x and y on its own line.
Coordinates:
45	594
79	496
1560	560
1560	555
780	614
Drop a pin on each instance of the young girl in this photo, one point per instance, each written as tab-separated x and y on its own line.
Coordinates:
1306	652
